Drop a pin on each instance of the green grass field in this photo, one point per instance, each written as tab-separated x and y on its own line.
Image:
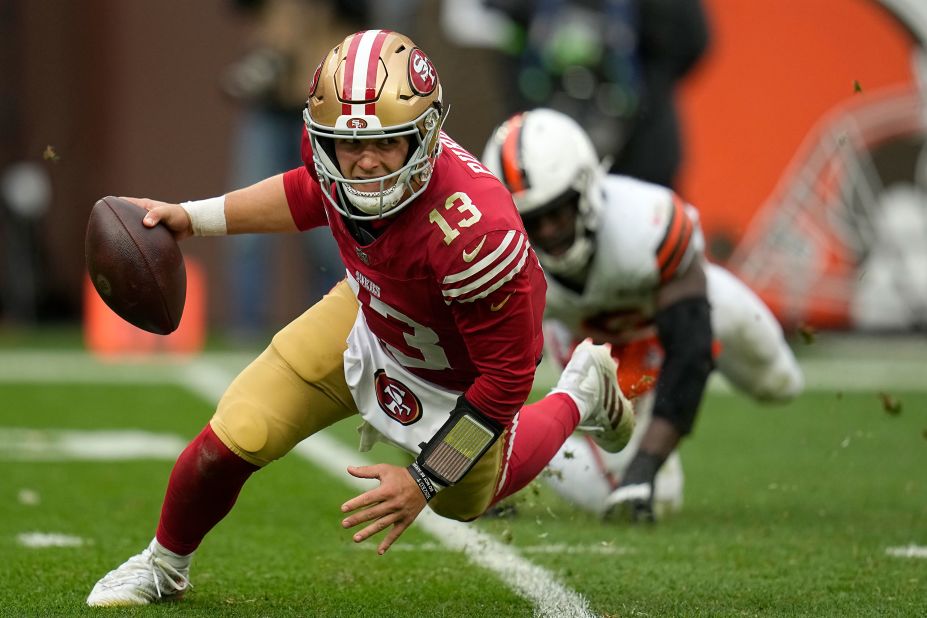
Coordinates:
790	511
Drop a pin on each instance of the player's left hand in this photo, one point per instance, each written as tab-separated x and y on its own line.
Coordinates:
396	502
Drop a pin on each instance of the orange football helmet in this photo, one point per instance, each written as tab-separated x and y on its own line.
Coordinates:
375	84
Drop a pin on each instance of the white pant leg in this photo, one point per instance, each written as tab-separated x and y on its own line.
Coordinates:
754	357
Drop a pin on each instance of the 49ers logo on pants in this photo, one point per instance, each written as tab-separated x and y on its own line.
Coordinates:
397	399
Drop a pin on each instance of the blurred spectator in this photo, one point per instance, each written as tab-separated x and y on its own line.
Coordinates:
25	196
271	81
612	65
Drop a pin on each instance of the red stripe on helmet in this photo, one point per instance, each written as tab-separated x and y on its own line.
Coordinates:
373	65
348	79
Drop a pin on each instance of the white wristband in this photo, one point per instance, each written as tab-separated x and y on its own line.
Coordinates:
207	216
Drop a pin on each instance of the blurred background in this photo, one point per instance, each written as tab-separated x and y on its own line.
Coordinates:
798	128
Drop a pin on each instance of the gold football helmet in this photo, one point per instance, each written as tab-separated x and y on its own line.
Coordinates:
374	84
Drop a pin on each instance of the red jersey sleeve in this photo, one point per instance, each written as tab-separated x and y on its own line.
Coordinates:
303	192
496	292
304	197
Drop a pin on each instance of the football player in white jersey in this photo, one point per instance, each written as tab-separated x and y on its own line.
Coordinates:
625	265
433	337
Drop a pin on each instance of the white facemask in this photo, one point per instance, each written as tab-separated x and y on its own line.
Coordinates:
373	202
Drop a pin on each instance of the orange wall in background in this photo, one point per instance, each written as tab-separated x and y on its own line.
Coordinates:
772	71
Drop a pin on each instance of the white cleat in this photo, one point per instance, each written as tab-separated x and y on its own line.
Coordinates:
591	378
153	576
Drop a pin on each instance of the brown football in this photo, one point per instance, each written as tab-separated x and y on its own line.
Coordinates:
139	272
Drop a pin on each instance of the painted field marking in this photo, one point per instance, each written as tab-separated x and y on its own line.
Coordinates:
28	497
27	444
37	540
554	548
908	551
848	374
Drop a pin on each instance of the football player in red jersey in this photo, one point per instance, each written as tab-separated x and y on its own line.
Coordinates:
432	338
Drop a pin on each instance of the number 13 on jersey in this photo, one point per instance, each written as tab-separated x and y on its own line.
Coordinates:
465	206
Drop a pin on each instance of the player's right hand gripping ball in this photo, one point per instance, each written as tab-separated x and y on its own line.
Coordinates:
139	272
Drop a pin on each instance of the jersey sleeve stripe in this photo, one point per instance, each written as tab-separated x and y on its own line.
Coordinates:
672	265
677	232
483	263
487	275
520	250
671	238
499	283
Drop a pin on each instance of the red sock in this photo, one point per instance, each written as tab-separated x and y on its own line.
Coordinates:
203	487
541	430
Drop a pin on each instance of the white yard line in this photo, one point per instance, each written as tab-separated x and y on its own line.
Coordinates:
853	375
25	444
42	367
844	373
49	539
908	551
599	549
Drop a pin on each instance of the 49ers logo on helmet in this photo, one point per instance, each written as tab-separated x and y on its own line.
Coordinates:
422	74
397	399
357	123
315	79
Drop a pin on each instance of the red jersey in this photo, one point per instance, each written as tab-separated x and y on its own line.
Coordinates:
451	287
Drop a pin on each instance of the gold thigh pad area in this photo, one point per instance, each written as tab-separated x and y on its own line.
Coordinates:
295	388
470	498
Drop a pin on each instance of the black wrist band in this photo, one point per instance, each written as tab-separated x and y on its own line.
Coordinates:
421	479
458	444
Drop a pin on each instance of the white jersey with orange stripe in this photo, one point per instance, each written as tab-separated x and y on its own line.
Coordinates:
645	236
